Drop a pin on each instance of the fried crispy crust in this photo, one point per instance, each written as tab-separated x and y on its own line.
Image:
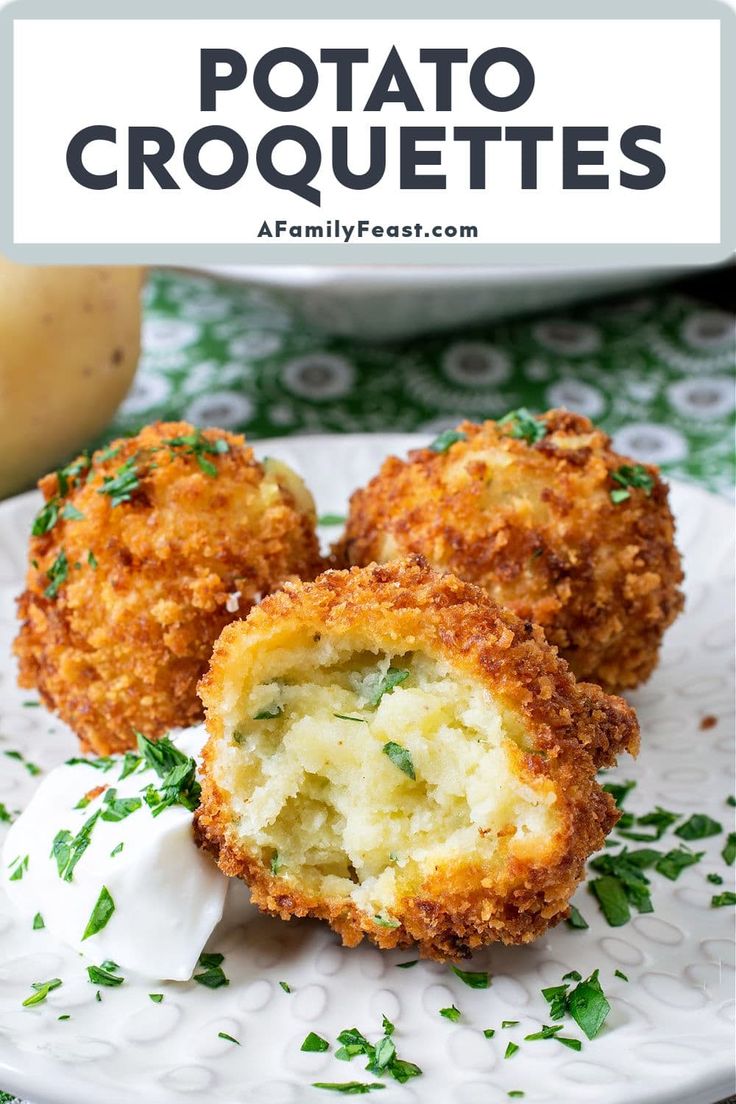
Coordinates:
125	640
576	726
535	526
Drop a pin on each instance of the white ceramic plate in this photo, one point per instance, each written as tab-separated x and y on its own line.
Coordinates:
381	302
668	1037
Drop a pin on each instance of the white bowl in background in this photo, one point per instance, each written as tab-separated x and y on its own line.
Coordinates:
380	302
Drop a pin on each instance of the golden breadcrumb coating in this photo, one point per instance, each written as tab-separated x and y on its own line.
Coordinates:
149	551
392	752
541	513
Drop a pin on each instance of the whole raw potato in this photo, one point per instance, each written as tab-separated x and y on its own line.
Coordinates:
69	345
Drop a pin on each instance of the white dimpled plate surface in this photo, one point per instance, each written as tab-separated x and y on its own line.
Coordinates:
670	1032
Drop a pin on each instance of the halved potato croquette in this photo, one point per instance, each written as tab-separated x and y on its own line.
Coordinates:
392	752
550	521
139	557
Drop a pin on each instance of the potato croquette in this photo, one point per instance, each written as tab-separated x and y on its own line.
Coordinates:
394	753
549	521
139	557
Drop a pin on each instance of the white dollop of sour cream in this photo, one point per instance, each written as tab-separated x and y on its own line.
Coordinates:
168	895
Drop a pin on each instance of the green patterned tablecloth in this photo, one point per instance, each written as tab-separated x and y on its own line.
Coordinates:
656	371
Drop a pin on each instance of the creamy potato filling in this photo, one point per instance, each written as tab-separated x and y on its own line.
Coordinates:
319	771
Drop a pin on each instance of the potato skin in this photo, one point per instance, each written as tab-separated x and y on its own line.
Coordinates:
577	727
69	345
122	645
535	526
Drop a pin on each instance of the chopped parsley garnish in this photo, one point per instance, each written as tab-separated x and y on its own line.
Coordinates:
67	1017
332	519
572	1044
385	1052
30	704
38	922
451	1013
573	975
101	913
728	854
556	997
345	717
659	820
5	817
176	770
474	979
46	518
673	863
116	850
276	863
228	1038
92	560
382	1058
619	790
212	975
118	808
524	426
314	1043
41	991
21	866
731	800
553	1032
714	879
547	1032
511	1050
721	899
388	1027
515	1094
70	476
630	475
406	965
352	1042
109	453
49	514
620	974
586	1003
32	768
57	574
489	1032
156	997
121	486
613	897
376	685
211	958
104	975
200	447
104	763
386	922
400	757
349	1088
268	713
131	762
446	439
697	827
509	1023
68	849
285	986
